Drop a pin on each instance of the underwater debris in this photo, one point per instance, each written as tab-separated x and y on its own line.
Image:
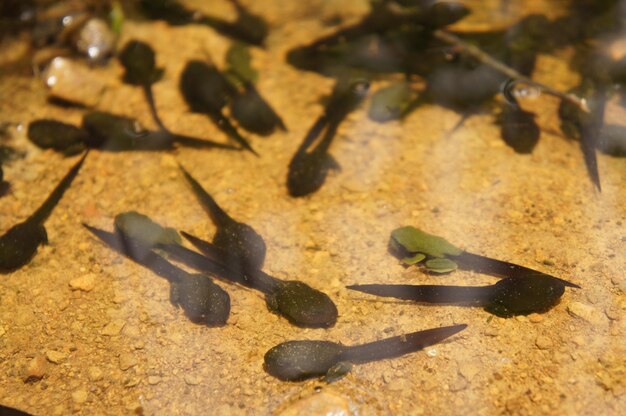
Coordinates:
301	360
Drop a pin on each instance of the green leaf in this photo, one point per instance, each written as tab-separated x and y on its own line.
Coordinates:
440	265
417	241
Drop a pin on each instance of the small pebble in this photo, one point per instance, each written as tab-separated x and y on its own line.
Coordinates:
459	383
535	318
113	328
192	380
95	373
80	396
85	283
55	357
36	369
543	342
324	403
585	312
153	380
127	361
74	81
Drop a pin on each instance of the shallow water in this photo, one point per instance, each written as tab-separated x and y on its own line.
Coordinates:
103	336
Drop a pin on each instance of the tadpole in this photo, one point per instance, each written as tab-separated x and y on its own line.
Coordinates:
301	360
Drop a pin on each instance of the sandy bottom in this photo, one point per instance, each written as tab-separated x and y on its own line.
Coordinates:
117	346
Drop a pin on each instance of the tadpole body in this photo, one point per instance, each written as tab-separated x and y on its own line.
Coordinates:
508	297
243	247
310	164
207	91
301	360
299	303
203	301
139	62
19	244
115	133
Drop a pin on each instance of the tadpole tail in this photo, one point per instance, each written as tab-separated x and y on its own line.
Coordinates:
499	268
313	133
217	214
399	345
147	91
196	143
436	294
226	126
589	136
258	280
48	205
150	260
232	30
201	263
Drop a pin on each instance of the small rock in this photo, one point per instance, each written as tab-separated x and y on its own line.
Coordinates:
36	369
535	318
543	342
458	384
470	368
95	373
113	328
585	312
80	396
74	82
127	361
153	380
324	403
491	331
85	283
192	380
55	357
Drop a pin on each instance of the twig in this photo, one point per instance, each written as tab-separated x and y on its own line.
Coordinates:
507	70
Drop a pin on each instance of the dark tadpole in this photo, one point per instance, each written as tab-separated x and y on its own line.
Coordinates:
243	247
299	303
519	129
301	360
19	244
53	134
115	133
310	164
508	297
247	27
586	127
11	411
203	301
139	62
253	113
207	91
